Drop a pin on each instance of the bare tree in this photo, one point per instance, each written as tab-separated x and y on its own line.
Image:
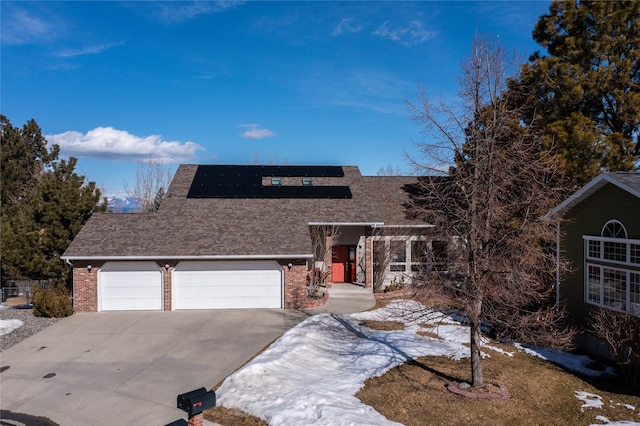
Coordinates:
490	205
152	180
389	171
621	331
323	239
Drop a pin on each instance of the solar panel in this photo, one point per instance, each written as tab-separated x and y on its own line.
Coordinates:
230	181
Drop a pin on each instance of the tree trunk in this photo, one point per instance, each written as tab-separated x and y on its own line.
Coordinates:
477	378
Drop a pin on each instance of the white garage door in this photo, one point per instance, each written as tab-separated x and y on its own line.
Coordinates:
130	286
223	285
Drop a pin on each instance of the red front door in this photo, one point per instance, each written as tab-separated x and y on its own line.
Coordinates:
343	264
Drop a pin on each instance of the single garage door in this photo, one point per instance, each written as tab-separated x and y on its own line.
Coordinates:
130	286
227	284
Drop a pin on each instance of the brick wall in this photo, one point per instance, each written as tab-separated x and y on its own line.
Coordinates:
295	285
85	287
166	284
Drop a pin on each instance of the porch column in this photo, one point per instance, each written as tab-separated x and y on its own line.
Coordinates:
368	260
328	259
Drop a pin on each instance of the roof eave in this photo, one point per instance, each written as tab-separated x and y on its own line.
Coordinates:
194	257
586	191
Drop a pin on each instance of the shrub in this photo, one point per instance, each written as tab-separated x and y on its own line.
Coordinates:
52	303
622	332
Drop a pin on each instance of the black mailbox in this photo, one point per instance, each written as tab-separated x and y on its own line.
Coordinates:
196	401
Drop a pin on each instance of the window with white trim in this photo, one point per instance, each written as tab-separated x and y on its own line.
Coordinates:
398	259
612	269
411	254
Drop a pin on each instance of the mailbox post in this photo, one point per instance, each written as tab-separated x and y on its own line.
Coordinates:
195	402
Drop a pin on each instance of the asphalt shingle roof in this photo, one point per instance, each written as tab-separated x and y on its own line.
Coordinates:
219	227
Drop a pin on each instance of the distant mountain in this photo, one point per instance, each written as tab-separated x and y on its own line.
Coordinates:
118	204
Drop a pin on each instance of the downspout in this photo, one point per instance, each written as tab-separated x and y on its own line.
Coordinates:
558	266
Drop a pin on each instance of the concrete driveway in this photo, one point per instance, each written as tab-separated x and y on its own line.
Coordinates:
127	368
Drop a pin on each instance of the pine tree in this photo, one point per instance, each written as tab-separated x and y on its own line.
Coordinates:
587	89
44	204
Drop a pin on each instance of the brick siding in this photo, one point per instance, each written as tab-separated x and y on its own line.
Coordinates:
295	285
85	287
166	284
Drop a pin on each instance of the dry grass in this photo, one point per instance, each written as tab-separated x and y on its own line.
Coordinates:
541	393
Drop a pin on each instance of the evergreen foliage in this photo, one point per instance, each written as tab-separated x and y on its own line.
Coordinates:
44	205
586	91
52	303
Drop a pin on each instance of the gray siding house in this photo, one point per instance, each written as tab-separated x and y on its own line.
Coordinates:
599	239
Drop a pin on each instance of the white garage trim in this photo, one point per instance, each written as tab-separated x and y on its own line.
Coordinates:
130	286
227	285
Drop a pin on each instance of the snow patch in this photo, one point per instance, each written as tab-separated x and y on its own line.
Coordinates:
573	362
8	325
606	421
591	400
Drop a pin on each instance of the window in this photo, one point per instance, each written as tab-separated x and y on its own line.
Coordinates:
634	250
614	289
614	229
307	181
615	251
440	255
612	275
419	255
613	245
634	293
593	284
276	181
398	257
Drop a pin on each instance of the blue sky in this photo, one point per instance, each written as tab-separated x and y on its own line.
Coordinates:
114	83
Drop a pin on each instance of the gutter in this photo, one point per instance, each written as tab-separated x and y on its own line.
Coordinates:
422	225
374	224
69	259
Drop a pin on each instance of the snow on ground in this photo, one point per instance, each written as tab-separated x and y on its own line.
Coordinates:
607	422
577	363
591	400
312	373
7	326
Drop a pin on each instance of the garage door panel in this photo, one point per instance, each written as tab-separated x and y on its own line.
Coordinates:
223	285
130	286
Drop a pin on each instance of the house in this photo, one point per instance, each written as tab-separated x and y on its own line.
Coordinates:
232	236
600	238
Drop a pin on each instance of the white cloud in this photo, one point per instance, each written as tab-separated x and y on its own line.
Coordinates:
346	26
176	12
21	27
88	50
255	132
110	143
409	35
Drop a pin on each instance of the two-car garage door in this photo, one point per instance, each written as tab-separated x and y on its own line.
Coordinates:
227	284
195	285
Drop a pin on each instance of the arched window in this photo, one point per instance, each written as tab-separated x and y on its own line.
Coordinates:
614	229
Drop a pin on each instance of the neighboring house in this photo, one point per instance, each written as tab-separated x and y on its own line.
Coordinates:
229	236
600	238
